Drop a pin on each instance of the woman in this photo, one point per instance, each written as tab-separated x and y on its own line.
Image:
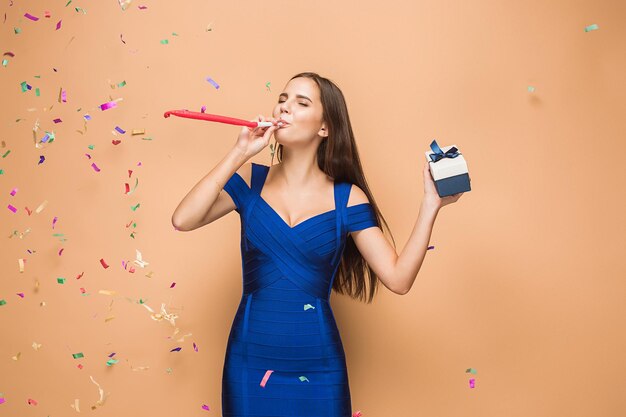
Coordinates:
309	225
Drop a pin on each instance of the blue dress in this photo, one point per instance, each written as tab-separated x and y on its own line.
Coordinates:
284	321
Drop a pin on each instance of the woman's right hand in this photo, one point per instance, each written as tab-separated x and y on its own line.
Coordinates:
251	141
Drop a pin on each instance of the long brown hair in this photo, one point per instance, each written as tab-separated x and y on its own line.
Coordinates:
338	157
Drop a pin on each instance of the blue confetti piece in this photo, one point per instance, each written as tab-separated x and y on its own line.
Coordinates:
209	79
119	129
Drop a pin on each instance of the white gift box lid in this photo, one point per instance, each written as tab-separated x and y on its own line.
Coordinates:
446	167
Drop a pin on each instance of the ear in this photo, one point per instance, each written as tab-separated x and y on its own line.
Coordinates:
323	131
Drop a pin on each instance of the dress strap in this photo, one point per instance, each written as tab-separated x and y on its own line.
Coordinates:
259	173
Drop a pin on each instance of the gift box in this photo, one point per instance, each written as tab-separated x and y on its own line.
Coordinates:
449	169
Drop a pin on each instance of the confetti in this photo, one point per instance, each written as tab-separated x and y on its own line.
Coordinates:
430	247
133	208
31	17
101	400
41	207
103	263
41	159
209	79
75	406
111	362
531	89
61	280
36	345
21	294
139	260
265	378
205	407
177	349
591	27
472	370
106	292
471	382
16	357
307	307
58	25
95	167
32	402
304	378
2	302
13	209
357	414
108	105
195	347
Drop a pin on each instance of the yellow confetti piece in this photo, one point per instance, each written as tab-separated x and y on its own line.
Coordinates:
76	405
139	260
138	132
21	263
36	345
106	292
109	318
100	402
41	207
16	357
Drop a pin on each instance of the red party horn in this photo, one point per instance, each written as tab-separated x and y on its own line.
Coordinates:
216	118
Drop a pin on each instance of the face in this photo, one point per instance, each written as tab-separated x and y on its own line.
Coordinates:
300	106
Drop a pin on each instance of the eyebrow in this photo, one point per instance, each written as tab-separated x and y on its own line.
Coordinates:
297	95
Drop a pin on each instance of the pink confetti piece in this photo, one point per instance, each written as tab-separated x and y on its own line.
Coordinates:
203	109
64	96
79	366
177	349
13	191
11	54
61	251
104	264
32	402
54	221
58	25
82	290
357	414
13	209
195	347
57	120
205	407
46	14
471	382
21	294
172	286
108	105
2	400
31	17
95	167
266	377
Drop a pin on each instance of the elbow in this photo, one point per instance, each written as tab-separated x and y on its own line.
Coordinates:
177	225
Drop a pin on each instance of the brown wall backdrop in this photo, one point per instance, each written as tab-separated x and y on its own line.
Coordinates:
526	281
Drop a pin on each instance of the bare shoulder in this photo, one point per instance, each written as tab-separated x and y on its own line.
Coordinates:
357	196
245	172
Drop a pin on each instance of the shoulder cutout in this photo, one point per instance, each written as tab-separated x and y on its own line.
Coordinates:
245	172
356	196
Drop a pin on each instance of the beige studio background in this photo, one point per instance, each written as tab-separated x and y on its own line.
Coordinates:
526	281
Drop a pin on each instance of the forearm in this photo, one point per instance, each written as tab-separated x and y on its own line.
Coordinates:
410	260
196	204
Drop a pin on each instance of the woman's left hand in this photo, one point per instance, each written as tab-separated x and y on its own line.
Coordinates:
430	192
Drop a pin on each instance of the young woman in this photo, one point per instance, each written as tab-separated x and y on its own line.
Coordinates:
309	225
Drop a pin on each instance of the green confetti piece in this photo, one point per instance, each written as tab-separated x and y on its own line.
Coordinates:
174	33
78	9
91	147
146	138
304	378
68	3
37	76
591	27
5	62
17	30
134	208
472	370
122	84
531	89
61	280
2	302
24	86
165	42
78	355
6	153
1	171
308	306
112	361
37	92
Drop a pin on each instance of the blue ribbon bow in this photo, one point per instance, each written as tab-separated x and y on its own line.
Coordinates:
439	154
